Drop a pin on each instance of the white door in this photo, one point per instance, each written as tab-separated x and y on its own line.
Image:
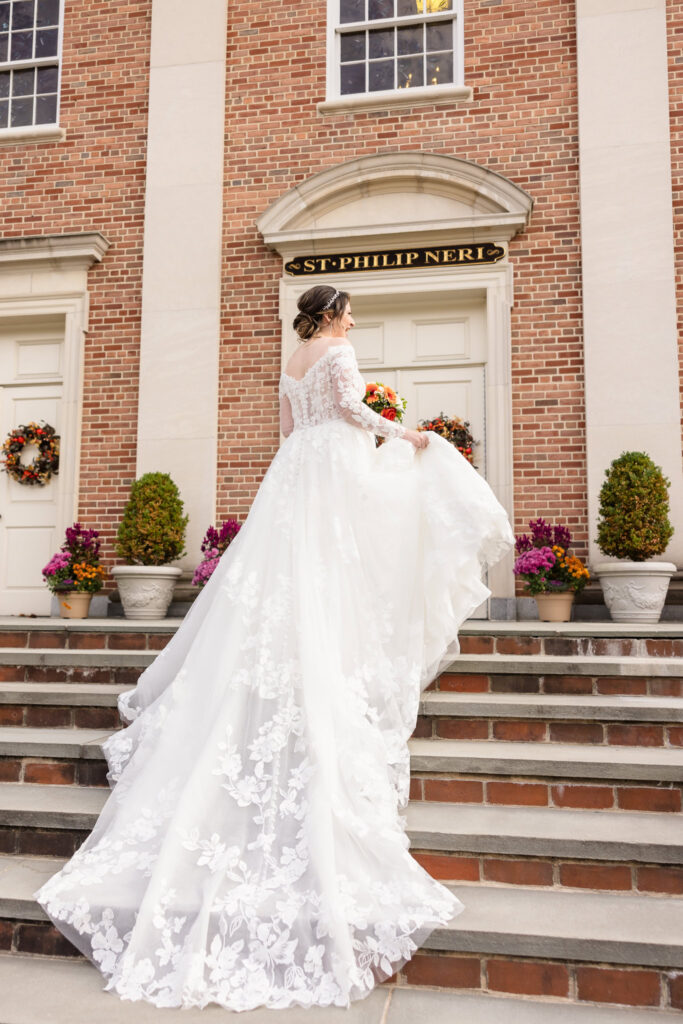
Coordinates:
31	388
432	351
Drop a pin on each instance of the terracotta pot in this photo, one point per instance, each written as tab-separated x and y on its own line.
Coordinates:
555	607
74	604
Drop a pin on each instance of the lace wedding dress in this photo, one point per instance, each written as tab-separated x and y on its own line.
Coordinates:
252	850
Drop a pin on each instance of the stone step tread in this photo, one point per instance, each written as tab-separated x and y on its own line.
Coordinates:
81	694
38	990
529	664
497	756
561	706
506	627
557	759
544	831
625	928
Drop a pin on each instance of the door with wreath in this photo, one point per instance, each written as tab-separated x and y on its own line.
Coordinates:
30	390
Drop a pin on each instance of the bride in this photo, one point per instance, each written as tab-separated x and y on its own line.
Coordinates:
252	851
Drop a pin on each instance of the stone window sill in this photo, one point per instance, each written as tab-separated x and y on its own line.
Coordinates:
32	133
399	98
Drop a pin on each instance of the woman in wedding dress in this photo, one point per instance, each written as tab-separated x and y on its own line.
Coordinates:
252	851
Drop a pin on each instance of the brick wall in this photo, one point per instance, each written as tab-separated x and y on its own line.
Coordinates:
522	123
94	181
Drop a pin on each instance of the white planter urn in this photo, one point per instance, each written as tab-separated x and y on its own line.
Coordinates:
146	590
635	591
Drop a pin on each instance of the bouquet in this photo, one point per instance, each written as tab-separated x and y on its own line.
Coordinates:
384	400
214	545
544	561
76	566
455	431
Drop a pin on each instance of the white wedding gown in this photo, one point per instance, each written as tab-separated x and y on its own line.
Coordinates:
252	850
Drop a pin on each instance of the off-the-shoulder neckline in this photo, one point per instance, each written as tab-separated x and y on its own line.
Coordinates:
330	348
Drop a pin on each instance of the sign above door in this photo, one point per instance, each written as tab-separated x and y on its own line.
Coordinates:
393	259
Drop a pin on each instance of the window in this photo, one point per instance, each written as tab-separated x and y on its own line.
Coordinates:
391	46
29	62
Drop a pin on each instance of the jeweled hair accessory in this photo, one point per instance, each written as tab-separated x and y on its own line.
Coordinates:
331	301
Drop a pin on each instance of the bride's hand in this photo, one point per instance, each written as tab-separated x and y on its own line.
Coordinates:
420	438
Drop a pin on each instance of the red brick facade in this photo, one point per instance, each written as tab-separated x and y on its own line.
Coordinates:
675	53
522	123
94	181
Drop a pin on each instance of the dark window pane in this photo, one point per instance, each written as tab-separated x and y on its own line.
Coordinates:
3	46
439	68
380	75
47	80
4	113
404	8
22	112
48	12
4	17
440	36
23	82
380	9
22	44
353	46
352	78
4	84
409	40
46	109
22	14
351	10
381	44
46	42
409	72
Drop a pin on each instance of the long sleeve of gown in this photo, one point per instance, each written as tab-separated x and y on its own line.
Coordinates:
286	418
345	379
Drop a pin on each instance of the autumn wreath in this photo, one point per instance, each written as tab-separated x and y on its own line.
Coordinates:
454	430
46	462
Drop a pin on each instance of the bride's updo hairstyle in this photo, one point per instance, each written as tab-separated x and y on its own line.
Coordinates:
314	304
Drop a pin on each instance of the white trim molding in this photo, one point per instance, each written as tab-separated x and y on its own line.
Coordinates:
76	250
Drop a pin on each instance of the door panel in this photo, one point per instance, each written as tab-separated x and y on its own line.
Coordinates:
432	350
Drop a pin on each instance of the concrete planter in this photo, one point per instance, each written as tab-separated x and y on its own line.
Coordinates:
146	590
635	591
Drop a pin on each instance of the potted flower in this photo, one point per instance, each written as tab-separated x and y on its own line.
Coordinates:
454	430
633	526
553	576
150	535
214	545
384	400
74	574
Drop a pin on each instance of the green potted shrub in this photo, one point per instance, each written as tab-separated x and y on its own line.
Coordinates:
634	526
150	536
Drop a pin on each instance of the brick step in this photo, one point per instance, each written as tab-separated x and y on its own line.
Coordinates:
454	842
561	775
476	636
36	990
476	673
65	705
544	674
625	948
457	771
562	718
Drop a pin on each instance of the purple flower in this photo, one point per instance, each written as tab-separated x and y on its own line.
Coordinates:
562	537
57	562
534	561
541	532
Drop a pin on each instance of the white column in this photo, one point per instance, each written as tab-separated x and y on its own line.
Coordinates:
178	404
630	342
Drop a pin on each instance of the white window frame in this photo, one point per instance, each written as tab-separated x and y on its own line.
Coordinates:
38	132
422	95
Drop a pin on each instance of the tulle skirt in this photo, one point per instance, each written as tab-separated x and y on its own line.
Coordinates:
252	851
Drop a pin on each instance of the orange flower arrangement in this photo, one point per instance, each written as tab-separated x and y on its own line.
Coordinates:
384	400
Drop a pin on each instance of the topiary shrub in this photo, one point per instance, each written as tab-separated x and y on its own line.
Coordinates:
634	509
152	531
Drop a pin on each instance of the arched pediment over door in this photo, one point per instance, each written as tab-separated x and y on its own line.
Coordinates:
396	198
